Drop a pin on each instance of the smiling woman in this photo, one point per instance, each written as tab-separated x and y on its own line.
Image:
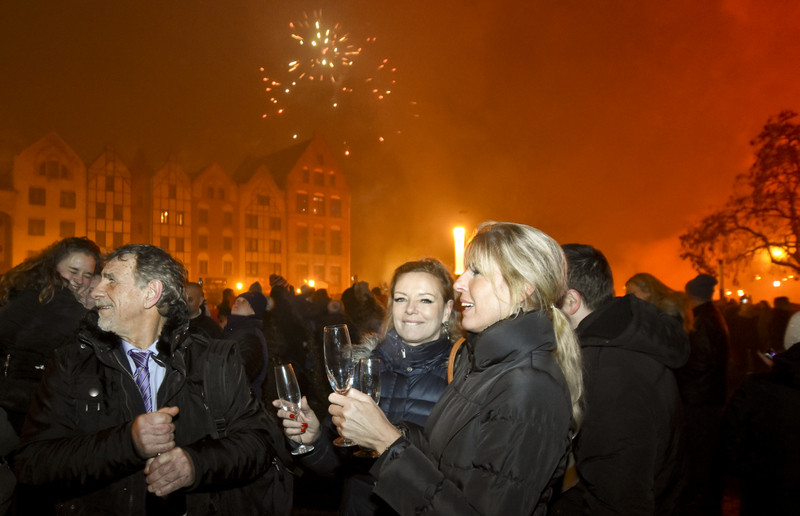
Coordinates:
41	310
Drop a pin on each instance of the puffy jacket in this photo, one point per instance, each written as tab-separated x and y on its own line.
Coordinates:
77	440
497	440
412	377
628	452
29	333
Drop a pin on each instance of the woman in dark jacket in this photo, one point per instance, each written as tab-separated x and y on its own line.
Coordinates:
41	311
418	335
245	327
497	440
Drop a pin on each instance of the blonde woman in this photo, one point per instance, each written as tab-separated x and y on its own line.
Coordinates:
496	441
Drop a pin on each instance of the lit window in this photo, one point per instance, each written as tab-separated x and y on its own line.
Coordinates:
302	202
164	216
179	218
318	205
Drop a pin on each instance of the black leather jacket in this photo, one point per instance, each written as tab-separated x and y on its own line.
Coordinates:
77	439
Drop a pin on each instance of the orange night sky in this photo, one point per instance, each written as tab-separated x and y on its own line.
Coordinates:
611	123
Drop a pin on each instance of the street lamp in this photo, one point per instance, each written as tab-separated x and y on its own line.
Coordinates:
458	240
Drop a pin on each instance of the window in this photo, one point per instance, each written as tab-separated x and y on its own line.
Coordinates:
203	266
332	179
319	240
275	223
227	218
202	242
274	246
336	207
318	204
251	245
164	216
251	268
336	241
262	200
109	183
53	170
251	221
118	240
306	175
66	229
172	191
118	211
319	178
164	244
36	227
100	210
275	268
227	267
202	216
221	193
227	243
179	218
319	273
179	244
37	196
67	199
302	239
302	270
302	202
335	276
100	238
210	192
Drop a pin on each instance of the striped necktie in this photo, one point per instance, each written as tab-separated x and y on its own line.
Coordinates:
142	376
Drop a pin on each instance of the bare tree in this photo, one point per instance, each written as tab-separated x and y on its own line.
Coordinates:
761	216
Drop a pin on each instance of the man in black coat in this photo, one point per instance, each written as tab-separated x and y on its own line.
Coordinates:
137	418
628	451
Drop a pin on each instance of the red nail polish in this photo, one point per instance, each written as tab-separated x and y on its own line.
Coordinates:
291	416
304	425
302	430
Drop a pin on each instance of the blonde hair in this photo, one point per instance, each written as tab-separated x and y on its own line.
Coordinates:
673	302
528	258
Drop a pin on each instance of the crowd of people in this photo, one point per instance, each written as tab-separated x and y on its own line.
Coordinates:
524	386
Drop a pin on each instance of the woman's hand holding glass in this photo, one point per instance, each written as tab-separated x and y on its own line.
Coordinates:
359	419
303	428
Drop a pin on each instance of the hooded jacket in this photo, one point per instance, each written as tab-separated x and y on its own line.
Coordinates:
628	452
77	440
497	440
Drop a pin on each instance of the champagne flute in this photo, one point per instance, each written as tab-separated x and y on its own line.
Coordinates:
369	382
290	398
339	364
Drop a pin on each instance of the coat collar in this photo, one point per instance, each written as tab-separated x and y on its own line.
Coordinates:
509	339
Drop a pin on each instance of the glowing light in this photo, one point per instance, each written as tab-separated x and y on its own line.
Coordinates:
777	252
740	292
776	283
458	241
239	286
311	283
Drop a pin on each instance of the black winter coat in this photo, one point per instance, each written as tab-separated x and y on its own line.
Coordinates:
77	440
247	331
702	379
629	452
497	440
760	437
29	333
412	377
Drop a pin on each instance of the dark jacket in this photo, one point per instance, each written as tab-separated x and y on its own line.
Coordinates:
760	437
205	325
702	379
412	377
497	440
628	452
247	331
29	333
77	441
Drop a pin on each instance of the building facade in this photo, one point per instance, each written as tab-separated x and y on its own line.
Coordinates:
287	213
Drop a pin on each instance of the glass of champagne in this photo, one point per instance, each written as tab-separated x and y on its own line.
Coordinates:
290	398
339	364
369	382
